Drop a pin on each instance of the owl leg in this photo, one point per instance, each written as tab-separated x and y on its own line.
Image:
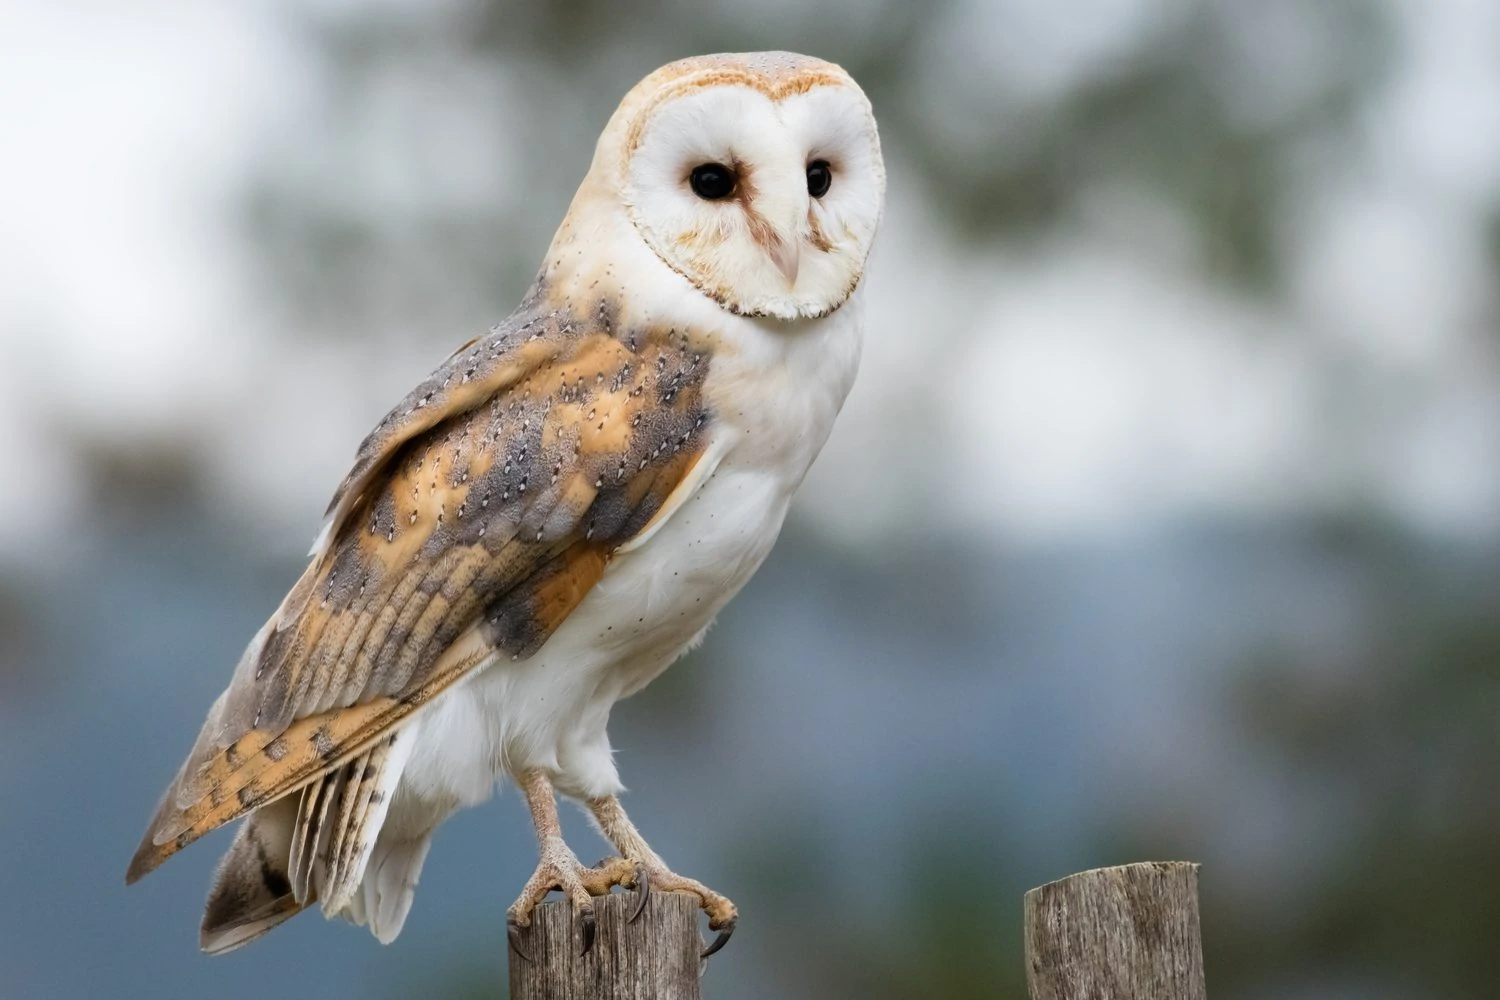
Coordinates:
559	868
653	873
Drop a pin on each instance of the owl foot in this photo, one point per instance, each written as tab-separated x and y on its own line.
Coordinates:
559	869
653	875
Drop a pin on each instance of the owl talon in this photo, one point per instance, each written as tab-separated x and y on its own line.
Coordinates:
513	932
719	941
642	892
587	929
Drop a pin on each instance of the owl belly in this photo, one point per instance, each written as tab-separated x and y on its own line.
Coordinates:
551	710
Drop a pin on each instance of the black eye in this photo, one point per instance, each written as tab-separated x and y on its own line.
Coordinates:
712	181
819	177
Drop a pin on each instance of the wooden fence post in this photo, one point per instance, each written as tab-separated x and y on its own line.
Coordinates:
1126	933
655	958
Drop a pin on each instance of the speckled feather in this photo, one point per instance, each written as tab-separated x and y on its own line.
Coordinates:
475	518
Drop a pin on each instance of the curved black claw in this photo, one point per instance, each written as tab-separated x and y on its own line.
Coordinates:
642	893
719	941
513	931
588	930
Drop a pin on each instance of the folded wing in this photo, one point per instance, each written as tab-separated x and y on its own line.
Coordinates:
477	516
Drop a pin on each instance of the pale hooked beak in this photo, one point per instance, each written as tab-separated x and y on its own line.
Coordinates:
787	256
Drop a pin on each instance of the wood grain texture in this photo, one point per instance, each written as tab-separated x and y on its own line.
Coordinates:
655	958
1125	933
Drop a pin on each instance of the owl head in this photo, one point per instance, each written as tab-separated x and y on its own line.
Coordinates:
757	177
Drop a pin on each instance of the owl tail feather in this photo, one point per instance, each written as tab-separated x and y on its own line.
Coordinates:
252	889
317	844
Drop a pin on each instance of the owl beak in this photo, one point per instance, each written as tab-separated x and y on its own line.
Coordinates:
787	257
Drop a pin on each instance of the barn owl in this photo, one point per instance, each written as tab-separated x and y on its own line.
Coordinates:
554	516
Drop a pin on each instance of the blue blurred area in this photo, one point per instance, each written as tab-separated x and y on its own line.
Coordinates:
851	739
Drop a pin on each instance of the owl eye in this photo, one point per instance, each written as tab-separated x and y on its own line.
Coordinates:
712	181
819	178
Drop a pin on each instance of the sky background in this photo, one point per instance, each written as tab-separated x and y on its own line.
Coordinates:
1163	520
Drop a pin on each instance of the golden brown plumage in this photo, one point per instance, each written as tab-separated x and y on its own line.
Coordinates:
476	517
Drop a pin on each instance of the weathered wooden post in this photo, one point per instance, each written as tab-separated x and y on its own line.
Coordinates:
655	958
1126	933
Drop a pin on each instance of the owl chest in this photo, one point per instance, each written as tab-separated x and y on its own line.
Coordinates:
665	593
654	601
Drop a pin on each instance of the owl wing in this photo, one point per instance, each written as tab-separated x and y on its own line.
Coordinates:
476	517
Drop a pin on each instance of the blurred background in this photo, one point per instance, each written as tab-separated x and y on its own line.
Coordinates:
1194	301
